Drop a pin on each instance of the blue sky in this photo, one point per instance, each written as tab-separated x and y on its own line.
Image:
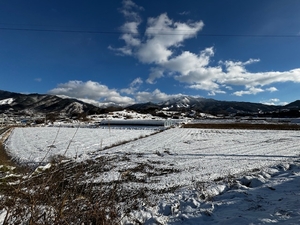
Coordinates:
138	51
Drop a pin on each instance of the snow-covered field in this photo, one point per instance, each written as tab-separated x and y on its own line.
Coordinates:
221	176
33	144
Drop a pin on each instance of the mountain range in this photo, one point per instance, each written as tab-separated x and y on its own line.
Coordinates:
215	107
44	103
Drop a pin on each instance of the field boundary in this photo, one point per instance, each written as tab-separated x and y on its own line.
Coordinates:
248	126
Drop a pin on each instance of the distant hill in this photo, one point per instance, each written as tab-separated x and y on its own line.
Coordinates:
43	103
294	105
211	106
39	103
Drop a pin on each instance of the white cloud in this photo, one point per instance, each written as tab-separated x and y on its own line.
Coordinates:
129	28
274	101
160	36
128	10
121	51
236	74
215	78
188	62
155	96
272	89
163	33
206	85
134	85
95	93
155	74
90	90
250	91
136	81
233	68
158	46
227	87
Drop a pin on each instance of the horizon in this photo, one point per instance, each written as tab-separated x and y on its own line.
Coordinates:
128	52
173	98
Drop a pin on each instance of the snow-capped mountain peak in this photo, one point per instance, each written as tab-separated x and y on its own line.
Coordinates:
181	102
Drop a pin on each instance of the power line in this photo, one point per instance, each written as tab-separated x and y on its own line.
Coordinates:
156	33
60	31
48	26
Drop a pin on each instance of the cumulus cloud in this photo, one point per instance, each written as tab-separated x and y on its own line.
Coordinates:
95	93
129	28
213	93
272	89
236	74
155	74
250	91
90	90
253	90
133	87
128	10
195	70
155	96
161	35
158	46
274	101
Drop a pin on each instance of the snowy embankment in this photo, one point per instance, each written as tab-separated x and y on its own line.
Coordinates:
269	196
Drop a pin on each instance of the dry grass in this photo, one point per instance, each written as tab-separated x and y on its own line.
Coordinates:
5	159
70	192
66	193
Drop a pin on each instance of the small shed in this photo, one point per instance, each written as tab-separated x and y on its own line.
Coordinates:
133	122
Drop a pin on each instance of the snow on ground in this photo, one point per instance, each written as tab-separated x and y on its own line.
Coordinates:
187	154
270	196
206	154
2	216
123	115
6	101
221	176
31	144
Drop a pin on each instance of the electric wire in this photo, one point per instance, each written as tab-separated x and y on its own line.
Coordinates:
178	32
